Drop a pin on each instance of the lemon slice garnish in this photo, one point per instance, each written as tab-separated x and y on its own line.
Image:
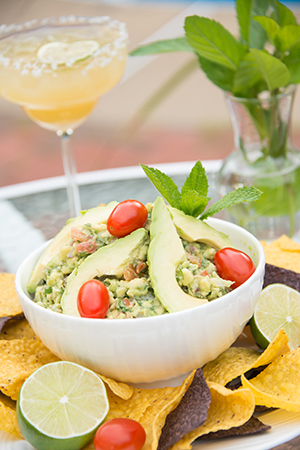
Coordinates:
61	52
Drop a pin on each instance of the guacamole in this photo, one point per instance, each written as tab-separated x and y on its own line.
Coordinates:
131	294
198	275
84	241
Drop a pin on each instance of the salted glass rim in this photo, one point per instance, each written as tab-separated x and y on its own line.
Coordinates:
7	30
120	41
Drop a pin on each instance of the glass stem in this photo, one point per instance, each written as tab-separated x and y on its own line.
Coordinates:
70	172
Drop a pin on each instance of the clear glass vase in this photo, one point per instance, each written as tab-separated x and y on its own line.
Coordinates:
264	157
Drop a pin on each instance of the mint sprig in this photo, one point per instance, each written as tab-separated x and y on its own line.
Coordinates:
265	57
193	199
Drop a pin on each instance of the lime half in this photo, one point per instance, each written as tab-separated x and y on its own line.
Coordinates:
60	406
278	307
62	52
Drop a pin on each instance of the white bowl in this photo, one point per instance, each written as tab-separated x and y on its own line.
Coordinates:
152	349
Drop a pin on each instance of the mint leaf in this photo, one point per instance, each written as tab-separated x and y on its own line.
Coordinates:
251	31
272	70
196	181
193	199
247	75
292	61
244	194
221	76
270	25
164	184
282	14
288	37
213	42
192	203
168	45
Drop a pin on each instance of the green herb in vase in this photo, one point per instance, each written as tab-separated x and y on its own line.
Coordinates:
258	72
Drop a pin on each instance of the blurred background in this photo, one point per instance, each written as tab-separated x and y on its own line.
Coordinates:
138	121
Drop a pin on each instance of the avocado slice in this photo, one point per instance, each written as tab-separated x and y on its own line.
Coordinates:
93	216
109	260
191	229
165	253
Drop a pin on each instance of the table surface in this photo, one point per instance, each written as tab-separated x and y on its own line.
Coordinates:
32	213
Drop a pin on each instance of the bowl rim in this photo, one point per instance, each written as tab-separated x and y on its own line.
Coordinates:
165	317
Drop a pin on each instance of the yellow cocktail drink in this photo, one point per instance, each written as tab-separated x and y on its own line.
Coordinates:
56	69
57	73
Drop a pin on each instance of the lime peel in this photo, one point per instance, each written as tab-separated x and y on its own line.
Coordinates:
60	53
61	405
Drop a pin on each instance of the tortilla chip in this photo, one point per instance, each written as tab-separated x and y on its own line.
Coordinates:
230	364
278	385
277	347
7	319
155	416
236	361
283	252
122	390
149	407
190	414
287	244
274	275
253	426
8	416
9	302
228	409
17	330
19	358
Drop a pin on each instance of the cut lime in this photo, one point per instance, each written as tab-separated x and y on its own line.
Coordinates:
278	307
60	406
62	52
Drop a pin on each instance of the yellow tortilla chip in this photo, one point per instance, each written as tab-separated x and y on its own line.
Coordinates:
279	346
235	361
9	302
17	330
283	252
287	244
230	364
149	407
19	358
228	409
278	385
122	390
8	416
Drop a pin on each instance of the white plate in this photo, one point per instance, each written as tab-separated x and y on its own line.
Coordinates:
285	426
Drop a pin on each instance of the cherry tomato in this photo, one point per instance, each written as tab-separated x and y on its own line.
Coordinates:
234	265
93	299
120	434
126	217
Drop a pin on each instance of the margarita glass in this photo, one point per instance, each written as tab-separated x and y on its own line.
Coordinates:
56	69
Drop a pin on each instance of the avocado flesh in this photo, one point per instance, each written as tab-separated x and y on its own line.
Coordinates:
109	260
165	253
191	230
93	216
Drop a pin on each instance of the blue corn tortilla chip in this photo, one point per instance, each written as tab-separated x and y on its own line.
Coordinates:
274	274
253	426
190	414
